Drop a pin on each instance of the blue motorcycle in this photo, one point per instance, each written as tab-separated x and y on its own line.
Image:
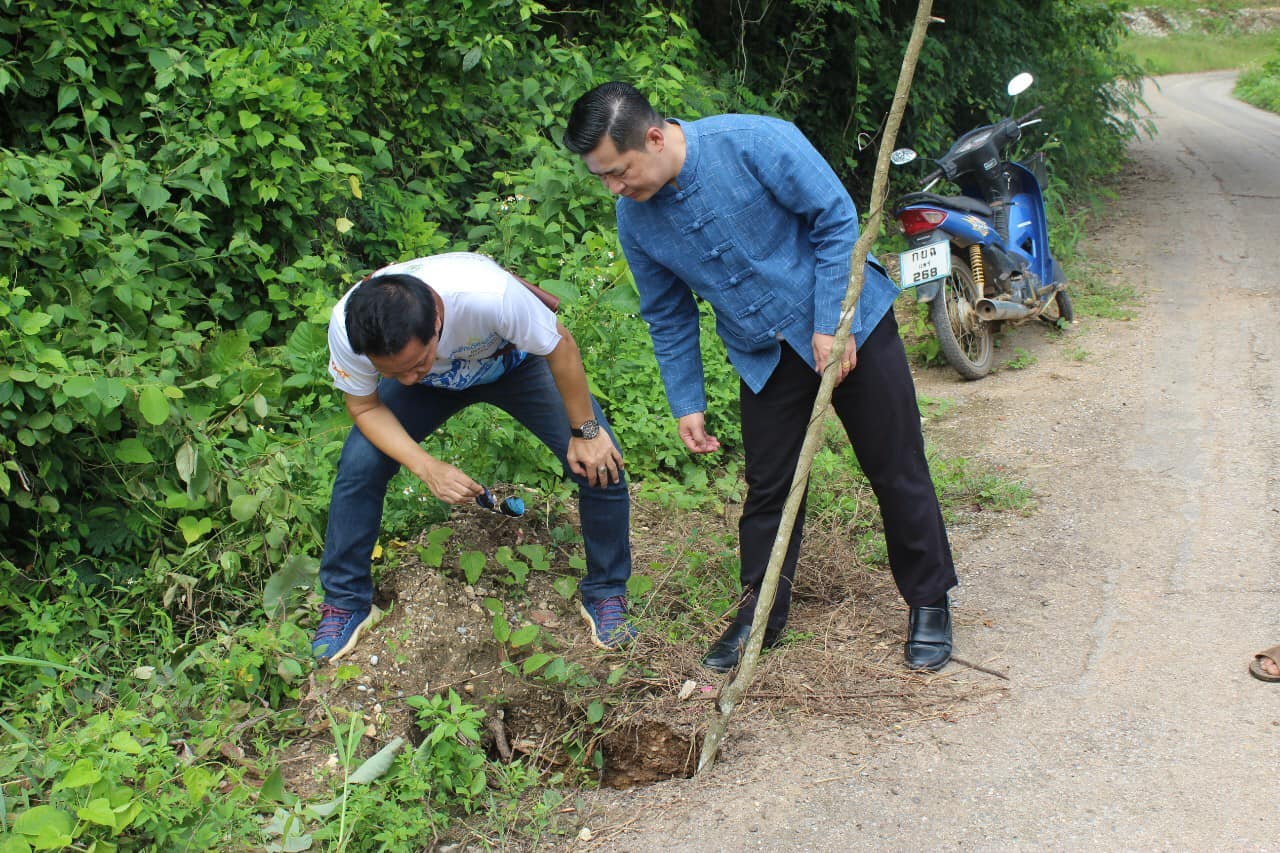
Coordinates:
981	258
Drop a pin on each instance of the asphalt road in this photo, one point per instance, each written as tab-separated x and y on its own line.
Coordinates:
1126	608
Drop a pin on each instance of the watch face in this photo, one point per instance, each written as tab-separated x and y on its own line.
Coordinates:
589	429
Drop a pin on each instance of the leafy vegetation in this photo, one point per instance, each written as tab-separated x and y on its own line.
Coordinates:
1260	85
185	190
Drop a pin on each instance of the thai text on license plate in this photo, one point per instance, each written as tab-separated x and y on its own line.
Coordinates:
925	263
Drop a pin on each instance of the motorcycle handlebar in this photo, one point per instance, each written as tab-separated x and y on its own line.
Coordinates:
931	177
1031	114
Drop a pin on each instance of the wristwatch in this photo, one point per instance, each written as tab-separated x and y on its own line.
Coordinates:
589	429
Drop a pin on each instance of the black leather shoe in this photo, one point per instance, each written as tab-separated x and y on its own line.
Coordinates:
928	638
725	652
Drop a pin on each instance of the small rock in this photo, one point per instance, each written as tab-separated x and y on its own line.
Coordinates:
373	659
686	689
585	834
544	617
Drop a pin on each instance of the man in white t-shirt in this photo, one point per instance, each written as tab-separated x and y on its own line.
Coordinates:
414	344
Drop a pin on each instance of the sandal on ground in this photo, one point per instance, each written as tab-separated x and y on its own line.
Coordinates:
1255	668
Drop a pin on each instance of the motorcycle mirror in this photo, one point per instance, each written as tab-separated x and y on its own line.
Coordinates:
1020	84
902	156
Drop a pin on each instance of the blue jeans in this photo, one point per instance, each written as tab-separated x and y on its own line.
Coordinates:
529	394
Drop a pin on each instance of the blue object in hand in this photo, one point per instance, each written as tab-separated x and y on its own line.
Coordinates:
513	506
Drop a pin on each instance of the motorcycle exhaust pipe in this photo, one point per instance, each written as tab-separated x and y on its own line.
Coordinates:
997	309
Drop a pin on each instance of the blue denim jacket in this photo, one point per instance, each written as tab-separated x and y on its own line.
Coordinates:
760	227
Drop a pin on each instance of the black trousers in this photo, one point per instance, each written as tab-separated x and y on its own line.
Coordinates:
876	403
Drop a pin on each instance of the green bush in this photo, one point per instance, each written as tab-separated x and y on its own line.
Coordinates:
1260	85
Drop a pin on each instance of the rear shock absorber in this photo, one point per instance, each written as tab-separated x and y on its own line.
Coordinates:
979	272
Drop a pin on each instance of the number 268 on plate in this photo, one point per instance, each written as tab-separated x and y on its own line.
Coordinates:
925	263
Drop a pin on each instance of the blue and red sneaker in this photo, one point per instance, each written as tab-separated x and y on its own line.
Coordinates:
607	620
339	631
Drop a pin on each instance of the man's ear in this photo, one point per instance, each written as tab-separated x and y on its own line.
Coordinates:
655	140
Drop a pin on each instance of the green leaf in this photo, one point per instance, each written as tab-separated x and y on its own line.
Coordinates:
248	120
566	586
193	528
48	827
126	743
185	459
52	357
524	636
133	451
472	564
501	628
471	58
67	93
273	790
298	571
78	386
245	507
638	585
595	712
198	782
82	773
536	662
377	765
13	843
154	405
32	322
98	811
153	197
622	297
77	66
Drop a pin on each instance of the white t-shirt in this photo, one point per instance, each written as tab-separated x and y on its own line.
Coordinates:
485	309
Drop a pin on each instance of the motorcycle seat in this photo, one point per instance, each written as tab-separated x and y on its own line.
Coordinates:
954	202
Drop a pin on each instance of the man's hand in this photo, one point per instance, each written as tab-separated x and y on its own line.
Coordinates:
597	459
822	353
448	483
693	432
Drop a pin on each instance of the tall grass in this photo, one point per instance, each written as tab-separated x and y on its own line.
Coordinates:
1260	85
1188	52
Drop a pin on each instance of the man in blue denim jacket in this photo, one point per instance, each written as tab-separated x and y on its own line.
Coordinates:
742	212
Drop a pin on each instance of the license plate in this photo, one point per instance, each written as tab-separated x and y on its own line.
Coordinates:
925	263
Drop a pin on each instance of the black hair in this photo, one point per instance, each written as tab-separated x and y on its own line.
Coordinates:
387	311
616	109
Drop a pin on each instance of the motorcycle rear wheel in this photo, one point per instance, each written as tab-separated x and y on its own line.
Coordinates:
965	339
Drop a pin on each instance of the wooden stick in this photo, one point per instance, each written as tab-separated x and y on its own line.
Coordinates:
736	689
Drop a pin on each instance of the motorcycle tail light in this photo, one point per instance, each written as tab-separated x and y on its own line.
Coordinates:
917	220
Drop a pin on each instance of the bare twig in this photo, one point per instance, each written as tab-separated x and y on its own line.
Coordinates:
980	668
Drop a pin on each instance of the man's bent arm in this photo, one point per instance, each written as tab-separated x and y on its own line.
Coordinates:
586	456
384	430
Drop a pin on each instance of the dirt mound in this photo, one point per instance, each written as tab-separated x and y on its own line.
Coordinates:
556	701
